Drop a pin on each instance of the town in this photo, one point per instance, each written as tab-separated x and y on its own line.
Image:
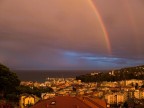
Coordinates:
122	88
126	93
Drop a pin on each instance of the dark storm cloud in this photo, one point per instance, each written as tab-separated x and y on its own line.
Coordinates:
62	34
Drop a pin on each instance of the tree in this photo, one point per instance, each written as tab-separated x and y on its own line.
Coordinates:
136	86
142	86
8	81
33	90
125	105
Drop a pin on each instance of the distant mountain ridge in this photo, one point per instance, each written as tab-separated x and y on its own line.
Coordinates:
136	72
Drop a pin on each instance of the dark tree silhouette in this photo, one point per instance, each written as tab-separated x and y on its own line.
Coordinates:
8	81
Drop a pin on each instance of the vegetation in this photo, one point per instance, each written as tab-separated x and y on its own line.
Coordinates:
10	88
8	85
33	90
8	81
115	75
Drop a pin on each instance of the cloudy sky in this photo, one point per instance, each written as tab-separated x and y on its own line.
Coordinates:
71	34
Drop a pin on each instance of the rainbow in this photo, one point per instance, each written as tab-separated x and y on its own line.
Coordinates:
130	16
132	22
99	18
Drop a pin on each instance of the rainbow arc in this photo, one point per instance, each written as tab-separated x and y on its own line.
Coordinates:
101	23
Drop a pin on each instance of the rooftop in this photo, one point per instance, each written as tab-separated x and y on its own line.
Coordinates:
61	102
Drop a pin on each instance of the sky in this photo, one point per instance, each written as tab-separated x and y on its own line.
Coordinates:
71	34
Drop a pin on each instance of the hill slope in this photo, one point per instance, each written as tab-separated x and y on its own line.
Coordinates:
115	75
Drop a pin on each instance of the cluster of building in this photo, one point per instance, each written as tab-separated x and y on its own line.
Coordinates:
110	92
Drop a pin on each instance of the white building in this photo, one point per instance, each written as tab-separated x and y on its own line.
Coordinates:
115	98
139	94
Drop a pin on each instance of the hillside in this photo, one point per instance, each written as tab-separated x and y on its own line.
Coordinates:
114	75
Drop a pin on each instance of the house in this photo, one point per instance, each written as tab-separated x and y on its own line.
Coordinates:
139	94
115	98
47	95
28	100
